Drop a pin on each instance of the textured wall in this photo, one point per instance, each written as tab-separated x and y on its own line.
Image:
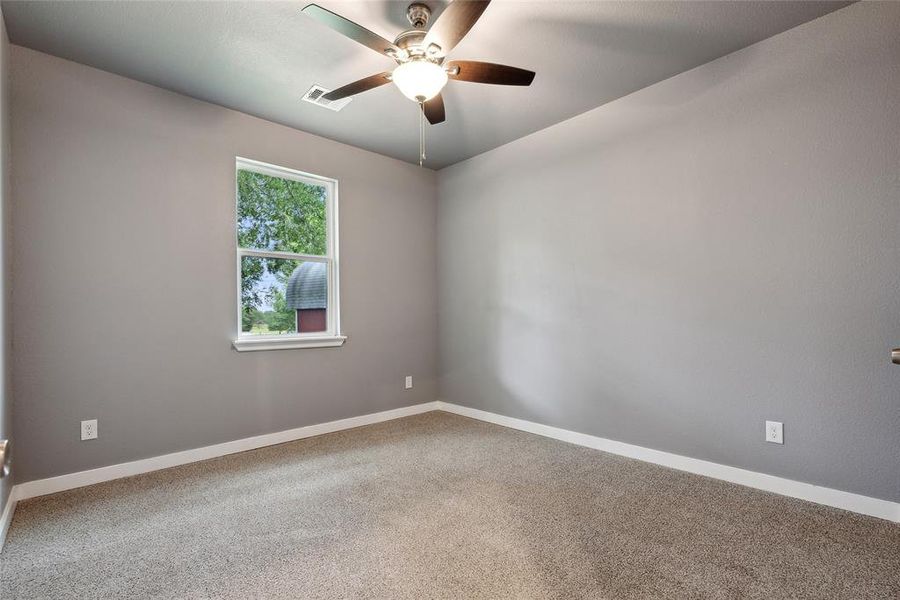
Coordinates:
5	262
124	301
676	267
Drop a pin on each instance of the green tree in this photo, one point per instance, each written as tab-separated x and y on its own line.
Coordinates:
247	318
252	317
283	318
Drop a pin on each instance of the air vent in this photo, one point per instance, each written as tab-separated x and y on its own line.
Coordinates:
314	96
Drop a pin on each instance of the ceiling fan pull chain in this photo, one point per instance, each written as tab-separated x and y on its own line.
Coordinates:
421	133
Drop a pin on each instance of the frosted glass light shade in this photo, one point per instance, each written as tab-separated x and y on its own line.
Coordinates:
419	80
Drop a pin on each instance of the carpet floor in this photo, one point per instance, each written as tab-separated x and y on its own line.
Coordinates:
439	506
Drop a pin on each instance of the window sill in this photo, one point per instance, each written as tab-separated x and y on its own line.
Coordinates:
288	343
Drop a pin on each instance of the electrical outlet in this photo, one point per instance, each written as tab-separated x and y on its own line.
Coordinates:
774	432
408	384
89	430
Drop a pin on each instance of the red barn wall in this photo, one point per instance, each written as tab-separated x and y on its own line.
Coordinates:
311	319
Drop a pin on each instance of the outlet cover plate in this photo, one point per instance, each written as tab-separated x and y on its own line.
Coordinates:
774	432
408	383
89	430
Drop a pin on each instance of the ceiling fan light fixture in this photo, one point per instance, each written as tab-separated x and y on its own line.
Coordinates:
419	80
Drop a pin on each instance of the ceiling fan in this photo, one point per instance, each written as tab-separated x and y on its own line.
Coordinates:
421	72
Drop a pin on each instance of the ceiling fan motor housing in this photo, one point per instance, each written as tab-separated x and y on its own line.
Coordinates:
411	41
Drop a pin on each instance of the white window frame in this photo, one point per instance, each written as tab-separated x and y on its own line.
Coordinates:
331	337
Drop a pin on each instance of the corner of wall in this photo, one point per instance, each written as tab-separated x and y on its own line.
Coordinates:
6	501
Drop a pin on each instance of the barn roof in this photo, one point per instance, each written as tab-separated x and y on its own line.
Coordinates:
307	286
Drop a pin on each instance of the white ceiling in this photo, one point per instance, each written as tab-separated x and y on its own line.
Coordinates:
260	58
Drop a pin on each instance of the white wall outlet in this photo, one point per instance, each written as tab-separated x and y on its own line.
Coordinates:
408	384
774	432
89	430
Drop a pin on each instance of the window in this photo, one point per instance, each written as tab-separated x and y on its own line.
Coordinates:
286	259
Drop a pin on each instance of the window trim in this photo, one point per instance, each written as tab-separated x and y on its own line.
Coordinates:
332	336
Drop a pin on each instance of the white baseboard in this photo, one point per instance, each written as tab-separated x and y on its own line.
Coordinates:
70	481
6	516
875	507
51	485
883	509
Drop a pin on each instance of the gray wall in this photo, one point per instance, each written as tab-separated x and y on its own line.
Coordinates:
5	268
676	267
124	263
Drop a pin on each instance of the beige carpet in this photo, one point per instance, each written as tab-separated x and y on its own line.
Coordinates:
439	506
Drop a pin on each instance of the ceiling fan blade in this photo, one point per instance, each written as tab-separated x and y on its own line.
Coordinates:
485	72
434	110
454	23
353	31
357	87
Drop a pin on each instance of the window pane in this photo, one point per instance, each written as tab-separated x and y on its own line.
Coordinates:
280	214
281	296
